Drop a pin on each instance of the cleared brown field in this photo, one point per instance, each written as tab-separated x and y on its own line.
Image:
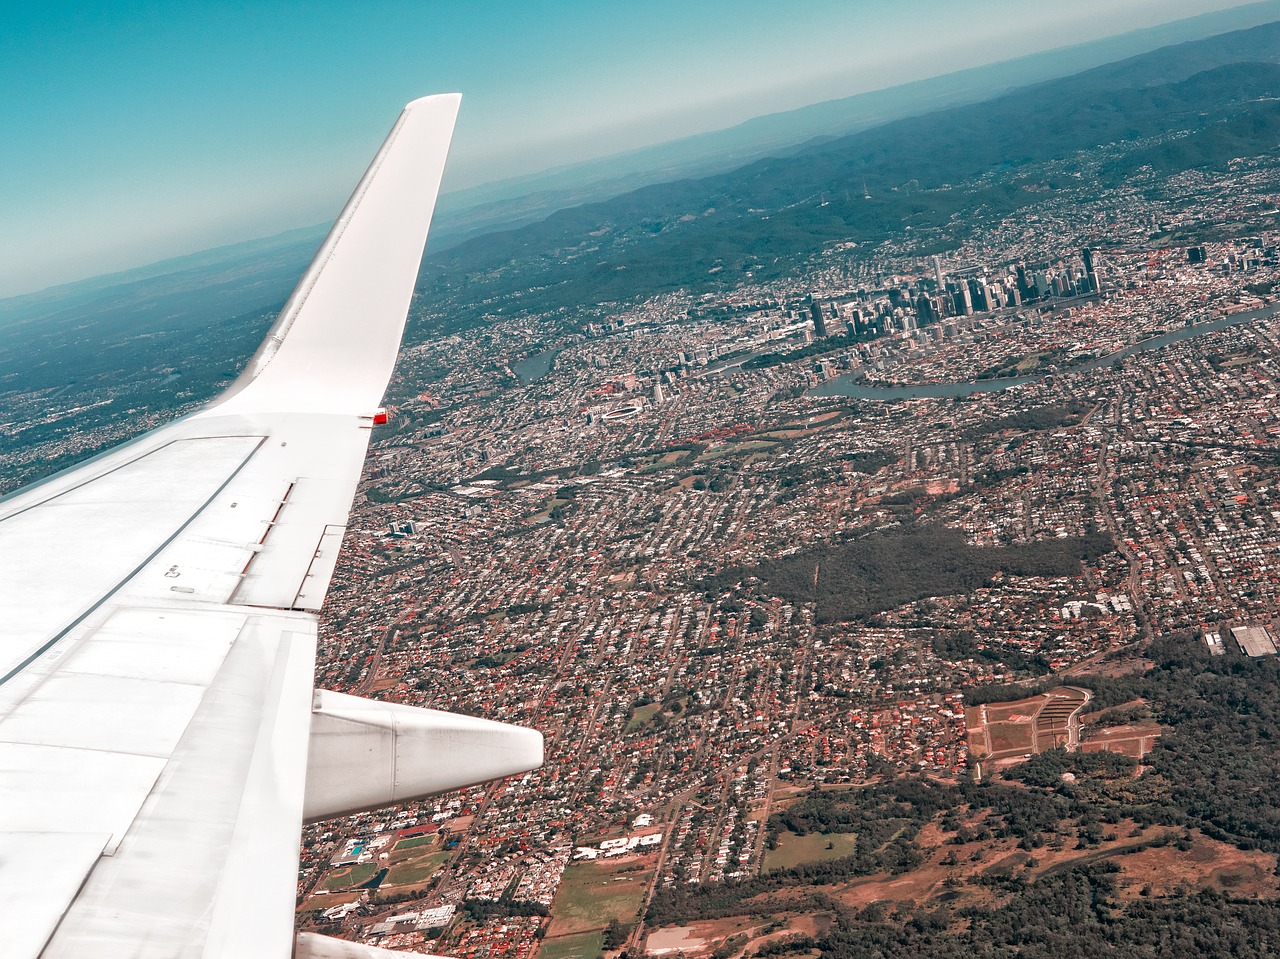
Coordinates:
1135	740
1207	864
1050	737
818	418
1005	731
1011	737
1021	711
1149	860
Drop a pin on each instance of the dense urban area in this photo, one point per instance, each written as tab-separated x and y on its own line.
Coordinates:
723	551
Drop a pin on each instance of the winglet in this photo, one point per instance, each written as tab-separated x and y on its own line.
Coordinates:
334	345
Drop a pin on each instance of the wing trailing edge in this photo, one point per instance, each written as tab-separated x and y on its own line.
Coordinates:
312	946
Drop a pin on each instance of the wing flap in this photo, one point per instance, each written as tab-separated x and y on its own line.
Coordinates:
133	685
208	864
34	898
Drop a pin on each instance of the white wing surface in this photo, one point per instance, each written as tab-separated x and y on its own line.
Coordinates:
160	739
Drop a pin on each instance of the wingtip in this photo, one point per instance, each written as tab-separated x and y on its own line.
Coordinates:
435	99
374	271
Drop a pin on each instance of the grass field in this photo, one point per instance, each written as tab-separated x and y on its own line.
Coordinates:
415	842
328	900
415	869
544	515
592	893
582	945
1030	362
733	449
642	715
784	434
793	850
346	878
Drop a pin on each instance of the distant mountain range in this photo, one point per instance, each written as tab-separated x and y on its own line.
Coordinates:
467	213
1221	94
137	324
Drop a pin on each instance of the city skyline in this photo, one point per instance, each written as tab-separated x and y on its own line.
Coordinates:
122	152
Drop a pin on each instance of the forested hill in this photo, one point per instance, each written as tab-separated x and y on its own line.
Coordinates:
1193	104
882	570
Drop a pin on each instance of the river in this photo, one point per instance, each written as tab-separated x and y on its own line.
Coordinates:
846	385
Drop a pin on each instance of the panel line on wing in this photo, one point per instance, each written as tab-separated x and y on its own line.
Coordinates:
140	566
115	469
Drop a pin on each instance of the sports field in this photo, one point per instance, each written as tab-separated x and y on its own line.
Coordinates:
592	893
581	945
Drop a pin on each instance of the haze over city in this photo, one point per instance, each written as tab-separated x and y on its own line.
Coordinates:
142	131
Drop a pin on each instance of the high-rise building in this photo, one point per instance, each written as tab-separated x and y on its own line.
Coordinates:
1090	270
937	272
819	321
980	295
924	309
1025	289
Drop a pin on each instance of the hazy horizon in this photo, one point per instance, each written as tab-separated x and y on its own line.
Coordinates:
137	139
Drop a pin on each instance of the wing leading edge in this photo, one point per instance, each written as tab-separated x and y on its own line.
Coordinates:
160	739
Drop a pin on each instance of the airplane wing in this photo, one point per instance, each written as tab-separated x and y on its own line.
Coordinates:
161	742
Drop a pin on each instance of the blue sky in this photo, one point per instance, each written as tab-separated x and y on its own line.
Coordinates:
134	131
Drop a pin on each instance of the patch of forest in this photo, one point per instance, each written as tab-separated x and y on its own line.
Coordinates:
866	576
1051	416
1075	913
958	645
